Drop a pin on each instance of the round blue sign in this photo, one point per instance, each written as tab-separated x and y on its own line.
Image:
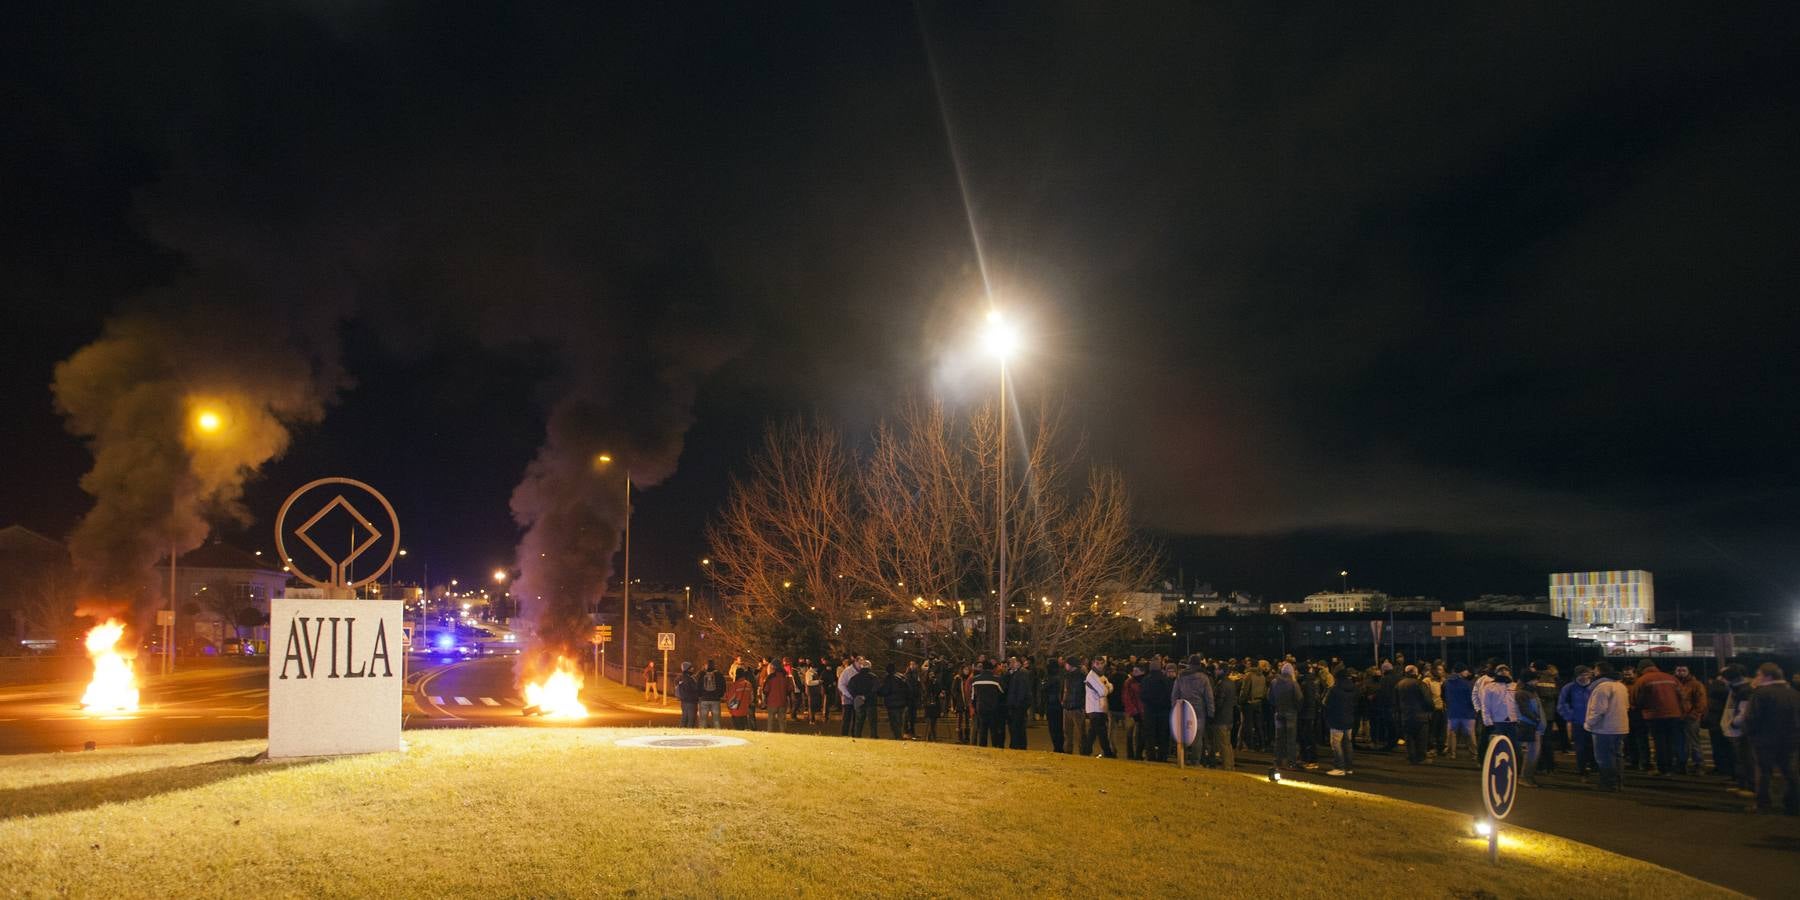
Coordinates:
1499	776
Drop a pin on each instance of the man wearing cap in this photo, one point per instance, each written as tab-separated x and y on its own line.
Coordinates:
1194	687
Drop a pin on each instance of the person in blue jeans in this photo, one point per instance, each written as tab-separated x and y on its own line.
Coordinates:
1608	706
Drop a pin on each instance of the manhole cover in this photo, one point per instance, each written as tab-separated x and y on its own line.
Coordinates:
679	742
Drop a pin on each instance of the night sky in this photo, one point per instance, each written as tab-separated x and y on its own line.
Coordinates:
1450	298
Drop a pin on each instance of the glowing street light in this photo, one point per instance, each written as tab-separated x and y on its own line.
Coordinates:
1001	340
208	421
499	576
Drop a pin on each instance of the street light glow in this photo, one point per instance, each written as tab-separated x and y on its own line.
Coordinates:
999	337
499	575
208	421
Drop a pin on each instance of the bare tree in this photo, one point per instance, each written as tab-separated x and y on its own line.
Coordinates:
783	547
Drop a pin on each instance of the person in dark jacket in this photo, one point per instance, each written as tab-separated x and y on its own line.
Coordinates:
1414	701
863	685
1019	691
1153	692
1050	702
1773	727
1384	710
712	692
1340	722
1284	705
896	697
1459	713
687	691
1311	697
1196	687
1074	701
1718	694
1219	749
988	697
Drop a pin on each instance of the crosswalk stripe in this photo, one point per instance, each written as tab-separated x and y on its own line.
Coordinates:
438	701
490	701
514	701
464	701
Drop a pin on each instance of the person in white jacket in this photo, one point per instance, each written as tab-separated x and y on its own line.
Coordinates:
1608	706
1095	707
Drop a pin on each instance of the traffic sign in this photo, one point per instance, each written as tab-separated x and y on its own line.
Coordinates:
1499	786
1499	777
602	635
665	640
1184	726
1446	631
1446	616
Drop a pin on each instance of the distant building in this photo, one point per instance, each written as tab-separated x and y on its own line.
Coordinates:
1414	604
1618	597
224	592
1359	600
37	591
1641	640
1508	603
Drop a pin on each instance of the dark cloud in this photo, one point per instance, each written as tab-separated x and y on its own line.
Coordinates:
1512	278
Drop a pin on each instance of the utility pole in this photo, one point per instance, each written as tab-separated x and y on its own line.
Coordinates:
625	639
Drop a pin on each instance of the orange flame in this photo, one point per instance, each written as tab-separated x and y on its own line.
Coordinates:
114	688
559	695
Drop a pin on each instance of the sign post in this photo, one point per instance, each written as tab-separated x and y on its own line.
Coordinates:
665	641
1375	626
1446	624
1184	727
332	682
1499	787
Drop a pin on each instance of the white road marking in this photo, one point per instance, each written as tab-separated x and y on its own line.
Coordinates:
464	701
438	700
490	701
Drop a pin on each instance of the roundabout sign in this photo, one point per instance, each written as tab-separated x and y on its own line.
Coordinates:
1499	787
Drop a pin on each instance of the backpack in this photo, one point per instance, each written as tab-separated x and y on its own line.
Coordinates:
709	681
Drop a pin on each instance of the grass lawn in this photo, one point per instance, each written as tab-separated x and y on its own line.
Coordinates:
546	812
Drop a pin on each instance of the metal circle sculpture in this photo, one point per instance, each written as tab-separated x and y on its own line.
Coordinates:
338	566
680	742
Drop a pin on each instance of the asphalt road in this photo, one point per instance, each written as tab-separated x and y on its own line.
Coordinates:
221	704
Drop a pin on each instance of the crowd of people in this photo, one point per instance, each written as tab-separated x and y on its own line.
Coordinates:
1305	714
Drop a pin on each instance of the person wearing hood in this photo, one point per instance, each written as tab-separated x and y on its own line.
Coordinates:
687	691
1499	705
1607	723
1340	722
1284	705
1414	701
1571	705
1219	749
1197	689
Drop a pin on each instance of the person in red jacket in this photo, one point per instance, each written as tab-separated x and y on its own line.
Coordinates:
1134	713
1658	694
740	699
1693	710
778	695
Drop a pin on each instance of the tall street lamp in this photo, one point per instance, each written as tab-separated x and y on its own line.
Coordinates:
602	460
1001	340
206	425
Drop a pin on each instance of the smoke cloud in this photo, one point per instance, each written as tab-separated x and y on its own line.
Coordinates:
181	399
393	188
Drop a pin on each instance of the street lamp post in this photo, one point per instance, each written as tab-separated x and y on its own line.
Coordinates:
1001	340
625	598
